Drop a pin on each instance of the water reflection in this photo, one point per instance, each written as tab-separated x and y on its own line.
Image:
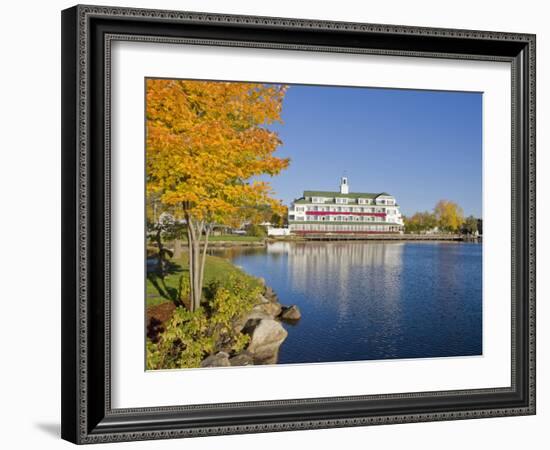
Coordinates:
365	300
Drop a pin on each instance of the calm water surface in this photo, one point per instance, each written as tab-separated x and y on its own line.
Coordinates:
365	300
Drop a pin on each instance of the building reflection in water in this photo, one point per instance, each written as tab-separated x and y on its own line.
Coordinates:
356	279
373	300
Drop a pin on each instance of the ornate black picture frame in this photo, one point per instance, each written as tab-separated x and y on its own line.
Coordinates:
87	34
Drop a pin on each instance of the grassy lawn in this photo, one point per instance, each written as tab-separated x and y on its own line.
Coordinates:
234	238
216	269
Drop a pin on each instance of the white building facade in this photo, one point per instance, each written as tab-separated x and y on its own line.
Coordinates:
325	212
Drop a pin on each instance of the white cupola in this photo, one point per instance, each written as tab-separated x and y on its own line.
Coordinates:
344	188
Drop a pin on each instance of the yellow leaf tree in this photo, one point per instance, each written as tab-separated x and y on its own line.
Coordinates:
420	221
449	215
207	146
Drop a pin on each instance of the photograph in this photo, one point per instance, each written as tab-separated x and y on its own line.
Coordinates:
299	224
281	220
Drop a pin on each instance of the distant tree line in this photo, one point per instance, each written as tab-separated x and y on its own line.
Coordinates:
447	217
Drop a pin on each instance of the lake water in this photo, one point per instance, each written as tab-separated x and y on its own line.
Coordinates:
374	300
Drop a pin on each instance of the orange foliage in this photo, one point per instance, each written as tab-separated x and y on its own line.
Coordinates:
206	141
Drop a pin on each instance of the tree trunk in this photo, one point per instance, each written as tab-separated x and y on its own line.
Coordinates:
197	288
190	253
196	260
203	260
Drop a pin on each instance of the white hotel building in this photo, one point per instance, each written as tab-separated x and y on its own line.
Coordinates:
323	212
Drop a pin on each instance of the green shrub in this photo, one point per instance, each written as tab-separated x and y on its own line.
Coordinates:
184	289
189	337
256	230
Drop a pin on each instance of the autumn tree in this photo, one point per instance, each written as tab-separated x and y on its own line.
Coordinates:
470	225
279	220
420	221
207	149
277	217
449	215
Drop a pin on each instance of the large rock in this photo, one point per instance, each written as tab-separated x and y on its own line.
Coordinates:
291	313
220	359
266	336
271	309
270	294
257	314
242	359
261	311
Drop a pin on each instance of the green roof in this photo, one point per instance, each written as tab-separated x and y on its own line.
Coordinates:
338	194
302	201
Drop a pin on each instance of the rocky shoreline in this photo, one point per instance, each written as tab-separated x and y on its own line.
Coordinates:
263	325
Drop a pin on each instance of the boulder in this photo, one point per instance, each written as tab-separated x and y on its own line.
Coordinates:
220	359
273	359
265	310
239	323
256	314
270	294
242	359
272	309
266	336
291	313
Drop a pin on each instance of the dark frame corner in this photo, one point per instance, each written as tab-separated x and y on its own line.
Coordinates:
87	416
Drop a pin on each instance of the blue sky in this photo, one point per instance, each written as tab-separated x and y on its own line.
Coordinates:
420	146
